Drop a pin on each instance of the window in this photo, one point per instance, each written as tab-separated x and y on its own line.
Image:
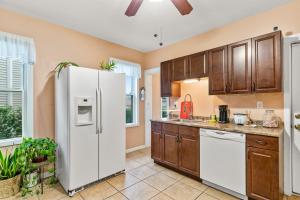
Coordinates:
17	56
164	107
131	100
132	75
11	98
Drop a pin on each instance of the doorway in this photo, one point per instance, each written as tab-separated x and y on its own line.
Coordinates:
152	96
291	116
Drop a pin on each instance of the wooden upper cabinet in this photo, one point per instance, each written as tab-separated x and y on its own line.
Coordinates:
266	63
165	79
167	87
239	67
180	66
217	64
197	66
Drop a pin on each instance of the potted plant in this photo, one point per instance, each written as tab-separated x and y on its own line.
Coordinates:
9	174
33	151
63	65
108	66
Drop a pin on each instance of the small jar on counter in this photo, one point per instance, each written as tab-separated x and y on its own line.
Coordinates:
270	120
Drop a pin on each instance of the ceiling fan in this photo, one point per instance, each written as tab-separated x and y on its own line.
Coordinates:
183	6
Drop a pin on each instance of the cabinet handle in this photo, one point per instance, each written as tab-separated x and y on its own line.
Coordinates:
204	64
260	142
253	87
227	88
177	139
297	116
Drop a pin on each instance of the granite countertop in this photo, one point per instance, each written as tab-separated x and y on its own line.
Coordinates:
258	130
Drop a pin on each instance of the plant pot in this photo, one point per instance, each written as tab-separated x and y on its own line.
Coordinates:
39	159
30	180
10	187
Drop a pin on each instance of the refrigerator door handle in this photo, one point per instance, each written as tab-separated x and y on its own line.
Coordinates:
97	111
101	122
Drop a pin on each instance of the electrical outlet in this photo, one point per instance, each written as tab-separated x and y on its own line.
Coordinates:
260	104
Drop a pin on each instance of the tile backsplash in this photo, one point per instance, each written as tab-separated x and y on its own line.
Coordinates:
205	105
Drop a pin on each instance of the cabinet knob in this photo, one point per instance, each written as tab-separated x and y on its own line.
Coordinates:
297	127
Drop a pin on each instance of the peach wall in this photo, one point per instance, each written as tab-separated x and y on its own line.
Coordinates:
156	96
54	44
286	17
205	105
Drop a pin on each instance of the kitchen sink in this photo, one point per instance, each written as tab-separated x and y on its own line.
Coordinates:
188	120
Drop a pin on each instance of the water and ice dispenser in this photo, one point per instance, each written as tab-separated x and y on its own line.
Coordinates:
84	111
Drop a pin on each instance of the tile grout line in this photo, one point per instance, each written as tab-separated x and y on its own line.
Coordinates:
81	196
203	192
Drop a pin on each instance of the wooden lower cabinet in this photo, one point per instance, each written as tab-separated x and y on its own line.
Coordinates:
170	149
263	172
156	141
189	152
178	147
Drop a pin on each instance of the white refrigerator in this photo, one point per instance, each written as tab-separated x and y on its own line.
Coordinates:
295	71
90	126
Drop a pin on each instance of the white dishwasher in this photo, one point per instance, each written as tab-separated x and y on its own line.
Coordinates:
223	161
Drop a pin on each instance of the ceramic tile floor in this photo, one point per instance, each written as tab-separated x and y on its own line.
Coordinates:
143	180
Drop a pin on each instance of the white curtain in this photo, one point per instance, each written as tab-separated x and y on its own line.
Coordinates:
129	68
15	46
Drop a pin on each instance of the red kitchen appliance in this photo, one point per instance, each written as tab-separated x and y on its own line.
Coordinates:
186	109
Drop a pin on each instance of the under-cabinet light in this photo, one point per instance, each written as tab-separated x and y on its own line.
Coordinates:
191	80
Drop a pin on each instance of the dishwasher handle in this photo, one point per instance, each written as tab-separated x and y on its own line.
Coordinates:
223	135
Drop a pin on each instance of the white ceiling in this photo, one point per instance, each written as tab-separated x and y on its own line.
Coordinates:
105	18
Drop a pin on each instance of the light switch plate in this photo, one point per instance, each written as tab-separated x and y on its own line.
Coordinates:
260	104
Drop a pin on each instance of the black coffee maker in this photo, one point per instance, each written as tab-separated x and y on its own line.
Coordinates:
223	114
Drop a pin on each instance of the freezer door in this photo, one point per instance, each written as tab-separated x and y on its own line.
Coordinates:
83	84
112	123
296	116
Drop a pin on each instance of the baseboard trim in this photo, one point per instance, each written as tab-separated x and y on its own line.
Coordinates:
135	148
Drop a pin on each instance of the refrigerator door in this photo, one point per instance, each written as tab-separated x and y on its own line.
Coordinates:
111	123
296	116
83	84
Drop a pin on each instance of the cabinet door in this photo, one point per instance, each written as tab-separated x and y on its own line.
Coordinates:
156	146
217	64
239	67
197	65
165	79
170	152
179	68
266	63
189	160
262	174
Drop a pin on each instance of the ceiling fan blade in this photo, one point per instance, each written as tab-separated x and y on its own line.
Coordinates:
183	6
133	7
